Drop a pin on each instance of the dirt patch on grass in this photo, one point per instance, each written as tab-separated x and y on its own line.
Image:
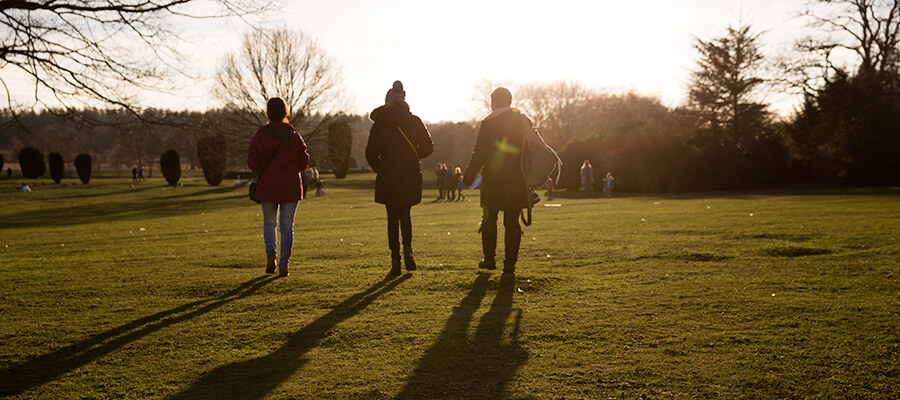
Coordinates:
789	237
687	256
795	252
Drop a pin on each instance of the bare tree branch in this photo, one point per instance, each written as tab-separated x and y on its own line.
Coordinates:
98	51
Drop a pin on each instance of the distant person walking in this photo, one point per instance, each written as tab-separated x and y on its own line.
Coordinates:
442	177
587	177
398	140
278	154
449	184
608	184
8	173
141	173
133	174
458	178
497	156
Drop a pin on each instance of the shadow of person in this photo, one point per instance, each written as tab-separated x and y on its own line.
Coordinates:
254	379
50	366
457	366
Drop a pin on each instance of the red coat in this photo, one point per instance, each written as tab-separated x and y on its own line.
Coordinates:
281	180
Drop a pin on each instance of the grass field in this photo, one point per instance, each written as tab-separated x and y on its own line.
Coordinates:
108	291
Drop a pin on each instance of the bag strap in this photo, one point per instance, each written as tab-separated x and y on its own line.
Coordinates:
411	145
275	153
522	214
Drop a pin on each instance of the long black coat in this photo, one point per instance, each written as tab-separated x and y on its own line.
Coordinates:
498	156
391	156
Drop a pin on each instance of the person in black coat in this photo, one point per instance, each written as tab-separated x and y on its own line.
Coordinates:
497	156
398	141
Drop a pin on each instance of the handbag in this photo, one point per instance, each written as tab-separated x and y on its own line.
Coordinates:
255	182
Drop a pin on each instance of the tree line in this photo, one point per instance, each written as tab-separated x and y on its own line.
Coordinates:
723	137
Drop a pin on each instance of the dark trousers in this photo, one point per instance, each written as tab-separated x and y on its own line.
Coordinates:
398	221
512	237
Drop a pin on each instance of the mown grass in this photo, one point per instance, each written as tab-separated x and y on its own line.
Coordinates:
108	291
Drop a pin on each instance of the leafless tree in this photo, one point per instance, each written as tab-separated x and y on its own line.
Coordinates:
868	29
89	51
556	108
281	63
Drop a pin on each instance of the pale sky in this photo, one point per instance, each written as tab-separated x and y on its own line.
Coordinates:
440	50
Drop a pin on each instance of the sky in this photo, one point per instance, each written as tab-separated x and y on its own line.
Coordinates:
440	50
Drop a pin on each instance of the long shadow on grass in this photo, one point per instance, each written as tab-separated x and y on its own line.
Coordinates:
457	366
254	379
213	190
51	366
114	211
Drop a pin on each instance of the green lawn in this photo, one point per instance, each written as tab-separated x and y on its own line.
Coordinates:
108	291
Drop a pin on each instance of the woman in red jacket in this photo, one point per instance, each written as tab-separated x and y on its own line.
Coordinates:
278	154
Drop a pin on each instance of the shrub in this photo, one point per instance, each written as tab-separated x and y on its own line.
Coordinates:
31	160
83	167
56	167
340	141
170	165
211	151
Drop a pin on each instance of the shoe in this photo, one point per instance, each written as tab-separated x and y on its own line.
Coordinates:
395	267
509	268
485	264
284	272
408	259
270	264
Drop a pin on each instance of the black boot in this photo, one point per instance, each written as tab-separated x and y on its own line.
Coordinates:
408	258
509	268
395	266
487	264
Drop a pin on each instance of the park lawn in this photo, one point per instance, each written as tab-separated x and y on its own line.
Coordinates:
108	291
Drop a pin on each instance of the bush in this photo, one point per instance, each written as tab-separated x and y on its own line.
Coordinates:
340	141
56	167
31	160
83	167
170	165
211	151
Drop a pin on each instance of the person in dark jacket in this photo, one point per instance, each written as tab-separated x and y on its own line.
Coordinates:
398	141
278	154
497	156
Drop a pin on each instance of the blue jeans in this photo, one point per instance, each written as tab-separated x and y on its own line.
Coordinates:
587	189
286	225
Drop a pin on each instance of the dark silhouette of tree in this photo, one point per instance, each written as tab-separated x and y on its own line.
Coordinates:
211	152
100	50
722	88
734	131
56	166
340	141
31	161
170	165
83	167
1	162
848	129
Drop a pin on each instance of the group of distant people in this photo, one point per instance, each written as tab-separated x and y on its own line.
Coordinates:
137	174
587	180
311	177
398	141
450	185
